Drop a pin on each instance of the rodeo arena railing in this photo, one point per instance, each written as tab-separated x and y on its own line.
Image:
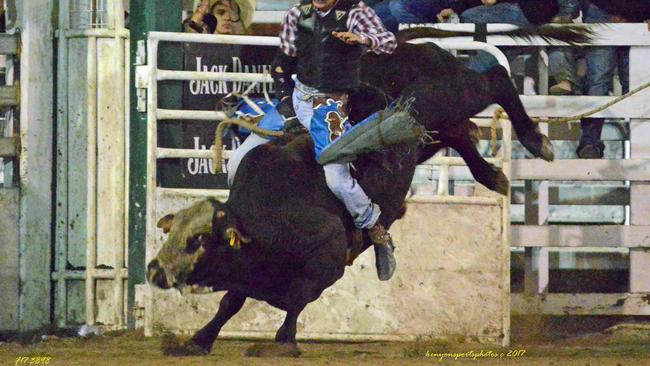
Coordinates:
536	235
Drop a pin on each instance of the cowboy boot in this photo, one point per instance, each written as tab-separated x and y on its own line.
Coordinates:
384	247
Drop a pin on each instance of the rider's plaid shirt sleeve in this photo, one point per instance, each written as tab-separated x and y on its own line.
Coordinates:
288	31
362	21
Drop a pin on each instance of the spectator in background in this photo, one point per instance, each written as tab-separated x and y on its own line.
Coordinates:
228	15
601	62
201	21
394	12
561	60
522	13
220	17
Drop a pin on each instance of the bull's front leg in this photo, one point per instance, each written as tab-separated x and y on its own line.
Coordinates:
230	305
201	342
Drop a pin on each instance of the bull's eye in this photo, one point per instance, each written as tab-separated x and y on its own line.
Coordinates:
193	244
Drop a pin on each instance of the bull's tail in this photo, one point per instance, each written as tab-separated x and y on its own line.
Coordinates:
574	35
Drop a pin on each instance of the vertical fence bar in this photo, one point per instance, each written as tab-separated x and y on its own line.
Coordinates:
443	176
640	191
61	158
127	148
152	146
35	166
61	244
91	236
536	213
117	19
506	156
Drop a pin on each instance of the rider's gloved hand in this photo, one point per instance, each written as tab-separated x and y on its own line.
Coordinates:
285	107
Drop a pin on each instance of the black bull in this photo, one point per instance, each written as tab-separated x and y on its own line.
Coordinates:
300	231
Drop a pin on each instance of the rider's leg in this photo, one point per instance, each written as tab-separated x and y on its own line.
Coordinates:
327	123
365	215
252	141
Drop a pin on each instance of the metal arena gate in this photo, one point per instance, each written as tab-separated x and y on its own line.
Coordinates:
445	274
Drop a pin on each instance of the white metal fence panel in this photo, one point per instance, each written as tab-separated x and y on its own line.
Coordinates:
492	236
92	168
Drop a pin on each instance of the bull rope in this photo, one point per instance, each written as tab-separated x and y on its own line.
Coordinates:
499	113
217	163
594	111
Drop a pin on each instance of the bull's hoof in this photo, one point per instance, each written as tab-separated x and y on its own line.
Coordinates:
272	350
495	181
539	145
547	153
501	182
173	346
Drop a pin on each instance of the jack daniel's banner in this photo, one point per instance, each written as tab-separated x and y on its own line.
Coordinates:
204	95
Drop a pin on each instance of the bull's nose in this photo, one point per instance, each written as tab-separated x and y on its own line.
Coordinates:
156	275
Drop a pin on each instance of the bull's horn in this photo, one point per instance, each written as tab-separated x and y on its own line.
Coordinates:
244	239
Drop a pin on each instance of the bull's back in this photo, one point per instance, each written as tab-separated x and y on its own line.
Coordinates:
281	184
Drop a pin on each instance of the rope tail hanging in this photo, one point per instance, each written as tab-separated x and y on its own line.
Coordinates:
594	111
218	144
499	113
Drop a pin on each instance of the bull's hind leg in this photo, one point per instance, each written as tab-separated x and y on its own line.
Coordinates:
504	93
484	172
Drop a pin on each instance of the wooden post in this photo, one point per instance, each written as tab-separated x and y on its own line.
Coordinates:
640	191
536	213
36	121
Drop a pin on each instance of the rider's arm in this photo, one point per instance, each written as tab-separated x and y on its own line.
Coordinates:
284	64
364	22
281	70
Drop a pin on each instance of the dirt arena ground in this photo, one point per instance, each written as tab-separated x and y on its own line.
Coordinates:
627	345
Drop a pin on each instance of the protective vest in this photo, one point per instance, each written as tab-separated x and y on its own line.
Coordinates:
325	62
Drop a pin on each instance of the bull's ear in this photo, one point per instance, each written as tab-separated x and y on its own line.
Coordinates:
166	223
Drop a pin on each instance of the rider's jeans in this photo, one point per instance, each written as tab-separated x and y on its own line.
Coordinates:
338	177
253	140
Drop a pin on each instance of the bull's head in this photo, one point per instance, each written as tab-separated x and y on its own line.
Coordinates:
195	233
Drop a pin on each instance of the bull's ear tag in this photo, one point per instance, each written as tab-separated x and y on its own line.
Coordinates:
221	214
340	14
233	238
234	243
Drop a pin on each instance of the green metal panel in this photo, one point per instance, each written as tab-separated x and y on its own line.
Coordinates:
145	16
